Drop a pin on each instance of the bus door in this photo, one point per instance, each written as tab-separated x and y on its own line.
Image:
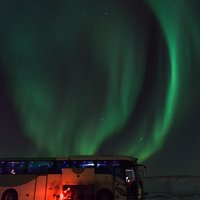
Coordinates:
131	183
40	187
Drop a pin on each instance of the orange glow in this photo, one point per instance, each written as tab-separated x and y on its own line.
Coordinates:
66	195
61	196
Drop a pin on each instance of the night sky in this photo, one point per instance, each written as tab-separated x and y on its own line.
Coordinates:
102	77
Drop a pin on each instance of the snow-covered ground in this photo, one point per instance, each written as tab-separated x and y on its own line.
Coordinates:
172	187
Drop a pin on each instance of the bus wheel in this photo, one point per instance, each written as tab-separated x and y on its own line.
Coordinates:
10	194
104	195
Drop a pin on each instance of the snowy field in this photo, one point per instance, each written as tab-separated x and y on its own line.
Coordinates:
172	187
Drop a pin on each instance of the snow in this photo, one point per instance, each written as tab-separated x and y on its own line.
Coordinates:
172	187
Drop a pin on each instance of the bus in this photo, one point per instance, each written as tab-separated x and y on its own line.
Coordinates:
100	177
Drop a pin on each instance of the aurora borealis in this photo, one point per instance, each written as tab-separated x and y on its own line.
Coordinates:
100	77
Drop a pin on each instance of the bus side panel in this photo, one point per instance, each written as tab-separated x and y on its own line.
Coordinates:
27	191
78	176
24	185
120	189
103	181
80	182
40	189
53	187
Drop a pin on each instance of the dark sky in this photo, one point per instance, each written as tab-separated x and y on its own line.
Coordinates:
102	77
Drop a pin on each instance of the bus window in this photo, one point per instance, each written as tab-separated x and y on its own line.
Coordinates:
60	165
86	164
119	172
130	175
2	167
14	167
40	167
131	183
104	167
115	163
81	164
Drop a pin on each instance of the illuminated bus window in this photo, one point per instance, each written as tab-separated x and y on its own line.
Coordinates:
130	175
131	182
104	167
2	167
40	167
74	164
61	165
103	163
86	164
14	167
115	163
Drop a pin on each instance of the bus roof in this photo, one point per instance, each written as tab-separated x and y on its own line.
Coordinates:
99	157
76	157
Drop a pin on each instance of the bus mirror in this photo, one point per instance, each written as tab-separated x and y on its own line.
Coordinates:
142	169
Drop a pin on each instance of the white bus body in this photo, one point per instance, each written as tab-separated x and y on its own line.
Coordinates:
71	178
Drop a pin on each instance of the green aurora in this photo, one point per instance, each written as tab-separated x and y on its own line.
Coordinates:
104	77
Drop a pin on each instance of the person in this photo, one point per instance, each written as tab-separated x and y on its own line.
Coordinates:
67	194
